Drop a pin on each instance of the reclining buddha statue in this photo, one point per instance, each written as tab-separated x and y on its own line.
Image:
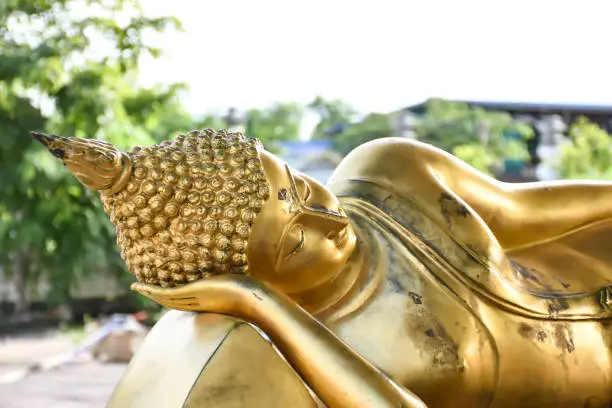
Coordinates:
408	280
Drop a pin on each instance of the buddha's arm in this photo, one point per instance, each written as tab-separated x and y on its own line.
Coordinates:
552	209
525	213
337	374
518	214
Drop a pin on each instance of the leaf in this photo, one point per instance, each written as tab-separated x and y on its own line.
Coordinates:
588	155
460	129
63	82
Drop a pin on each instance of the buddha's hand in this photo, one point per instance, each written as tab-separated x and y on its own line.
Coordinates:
233	295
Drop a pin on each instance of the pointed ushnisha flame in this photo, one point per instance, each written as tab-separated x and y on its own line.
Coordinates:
99	165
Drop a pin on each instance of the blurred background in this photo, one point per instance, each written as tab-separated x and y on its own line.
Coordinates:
520	90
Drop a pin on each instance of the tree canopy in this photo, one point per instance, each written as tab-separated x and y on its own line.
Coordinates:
372	126
588	155
281	121
69	67
480	137
332	113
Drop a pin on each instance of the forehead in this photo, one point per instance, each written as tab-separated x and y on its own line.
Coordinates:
279	176
276	214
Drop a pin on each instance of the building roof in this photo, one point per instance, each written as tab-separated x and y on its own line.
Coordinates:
531	107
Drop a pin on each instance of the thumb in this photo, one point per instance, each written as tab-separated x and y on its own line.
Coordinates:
143	289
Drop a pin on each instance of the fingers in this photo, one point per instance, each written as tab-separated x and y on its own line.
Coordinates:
147	289
155	292
189	307
167	297
216	294
143	289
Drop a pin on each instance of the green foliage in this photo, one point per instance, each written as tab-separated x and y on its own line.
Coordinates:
480	137
69	67
349	132
589	153
281	121
331	112
373	126
476	155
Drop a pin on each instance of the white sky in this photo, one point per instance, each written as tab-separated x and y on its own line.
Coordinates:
382	55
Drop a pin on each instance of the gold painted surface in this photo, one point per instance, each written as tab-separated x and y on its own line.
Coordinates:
486	350
412	279
208	360
552	265
170	360
246	371
414	329
97	164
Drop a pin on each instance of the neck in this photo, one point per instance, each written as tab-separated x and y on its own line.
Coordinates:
347	281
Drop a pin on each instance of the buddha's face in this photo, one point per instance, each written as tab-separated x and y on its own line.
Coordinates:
301	238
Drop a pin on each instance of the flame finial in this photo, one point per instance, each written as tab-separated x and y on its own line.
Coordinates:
97	164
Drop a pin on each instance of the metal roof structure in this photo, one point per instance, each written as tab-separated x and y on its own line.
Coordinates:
530	107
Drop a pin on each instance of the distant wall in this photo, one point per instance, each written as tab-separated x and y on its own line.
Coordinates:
89	287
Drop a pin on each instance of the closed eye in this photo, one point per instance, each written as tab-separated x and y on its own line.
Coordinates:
299	245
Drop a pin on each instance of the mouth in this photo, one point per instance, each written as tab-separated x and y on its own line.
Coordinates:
341	239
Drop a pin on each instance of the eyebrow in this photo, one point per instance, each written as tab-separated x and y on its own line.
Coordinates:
313	207
319	207
308	190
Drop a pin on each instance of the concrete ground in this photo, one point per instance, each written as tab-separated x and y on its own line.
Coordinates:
83	383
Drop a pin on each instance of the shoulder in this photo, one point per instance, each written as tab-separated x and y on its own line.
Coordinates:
387	156
388	145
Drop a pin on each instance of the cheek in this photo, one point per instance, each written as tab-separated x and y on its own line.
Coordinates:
317	255
324	251
315	264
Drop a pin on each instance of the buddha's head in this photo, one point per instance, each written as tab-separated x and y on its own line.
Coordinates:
211	203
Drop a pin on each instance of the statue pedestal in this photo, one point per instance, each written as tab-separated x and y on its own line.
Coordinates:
207	360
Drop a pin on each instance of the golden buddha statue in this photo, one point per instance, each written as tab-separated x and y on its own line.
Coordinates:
409	280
